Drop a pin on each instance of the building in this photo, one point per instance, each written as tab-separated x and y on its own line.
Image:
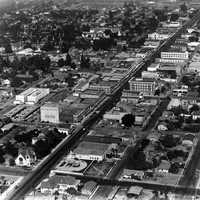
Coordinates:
175	55
135	97
147	74
145	85
194	67
159	36
115	115
164	166
89	188
31	95
90	151
58	183
26	157
80	87
134	191
143	52
91	94
50	113
106	86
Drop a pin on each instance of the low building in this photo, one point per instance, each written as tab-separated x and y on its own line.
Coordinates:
91	94
90	151
88	188
31	95
188	139
194	67
58	183
143	52
115	114
152	75
164	166
106	86
134	191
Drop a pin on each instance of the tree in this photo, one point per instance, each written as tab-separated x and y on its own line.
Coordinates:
11	149
137	161
178	110
8	48
42	149
68	60
174	168
128	120
16	82
194	107
157	92
174	17
85	62
61	62
183	8
168	141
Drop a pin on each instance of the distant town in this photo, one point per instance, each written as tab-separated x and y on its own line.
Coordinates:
99	100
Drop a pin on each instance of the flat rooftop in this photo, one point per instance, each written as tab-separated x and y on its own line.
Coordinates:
91	148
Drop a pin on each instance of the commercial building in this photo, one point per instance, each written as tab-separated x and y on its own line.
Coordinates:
106	86
31	95
147	74
145	85
58	183
91	94
143	52
173	54
116	114
50	113
91	151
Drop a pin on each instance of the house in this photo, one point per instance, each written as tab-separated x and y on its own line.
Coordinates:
153	137
134	191
58	183
195	115
188	139
168	115
26	157
164	166
162	126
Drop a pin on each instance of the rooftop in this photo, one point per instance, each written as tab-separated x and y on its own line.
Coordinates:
55	180
91	148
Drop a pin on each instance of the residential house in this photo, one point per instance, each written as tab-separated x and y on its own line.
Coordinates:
162	126
164	166
195	115
188	139
26	157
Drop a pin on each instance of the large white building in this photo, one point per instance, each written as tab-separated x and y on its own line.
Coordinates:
177	55
31	95
50	113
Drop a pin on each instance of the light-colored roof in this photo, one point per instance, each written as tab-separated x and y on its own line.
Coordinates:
135	190
54	181
91	148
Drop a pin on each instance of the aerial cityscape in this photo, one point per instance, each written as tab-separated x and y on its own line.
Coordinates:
99	100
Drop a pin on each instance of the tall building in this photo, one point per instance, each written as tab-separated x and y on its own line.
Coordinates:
145	85
50	113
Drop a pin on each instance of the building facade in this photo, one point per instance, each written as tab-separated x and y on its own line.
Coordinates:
146	86
50	113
